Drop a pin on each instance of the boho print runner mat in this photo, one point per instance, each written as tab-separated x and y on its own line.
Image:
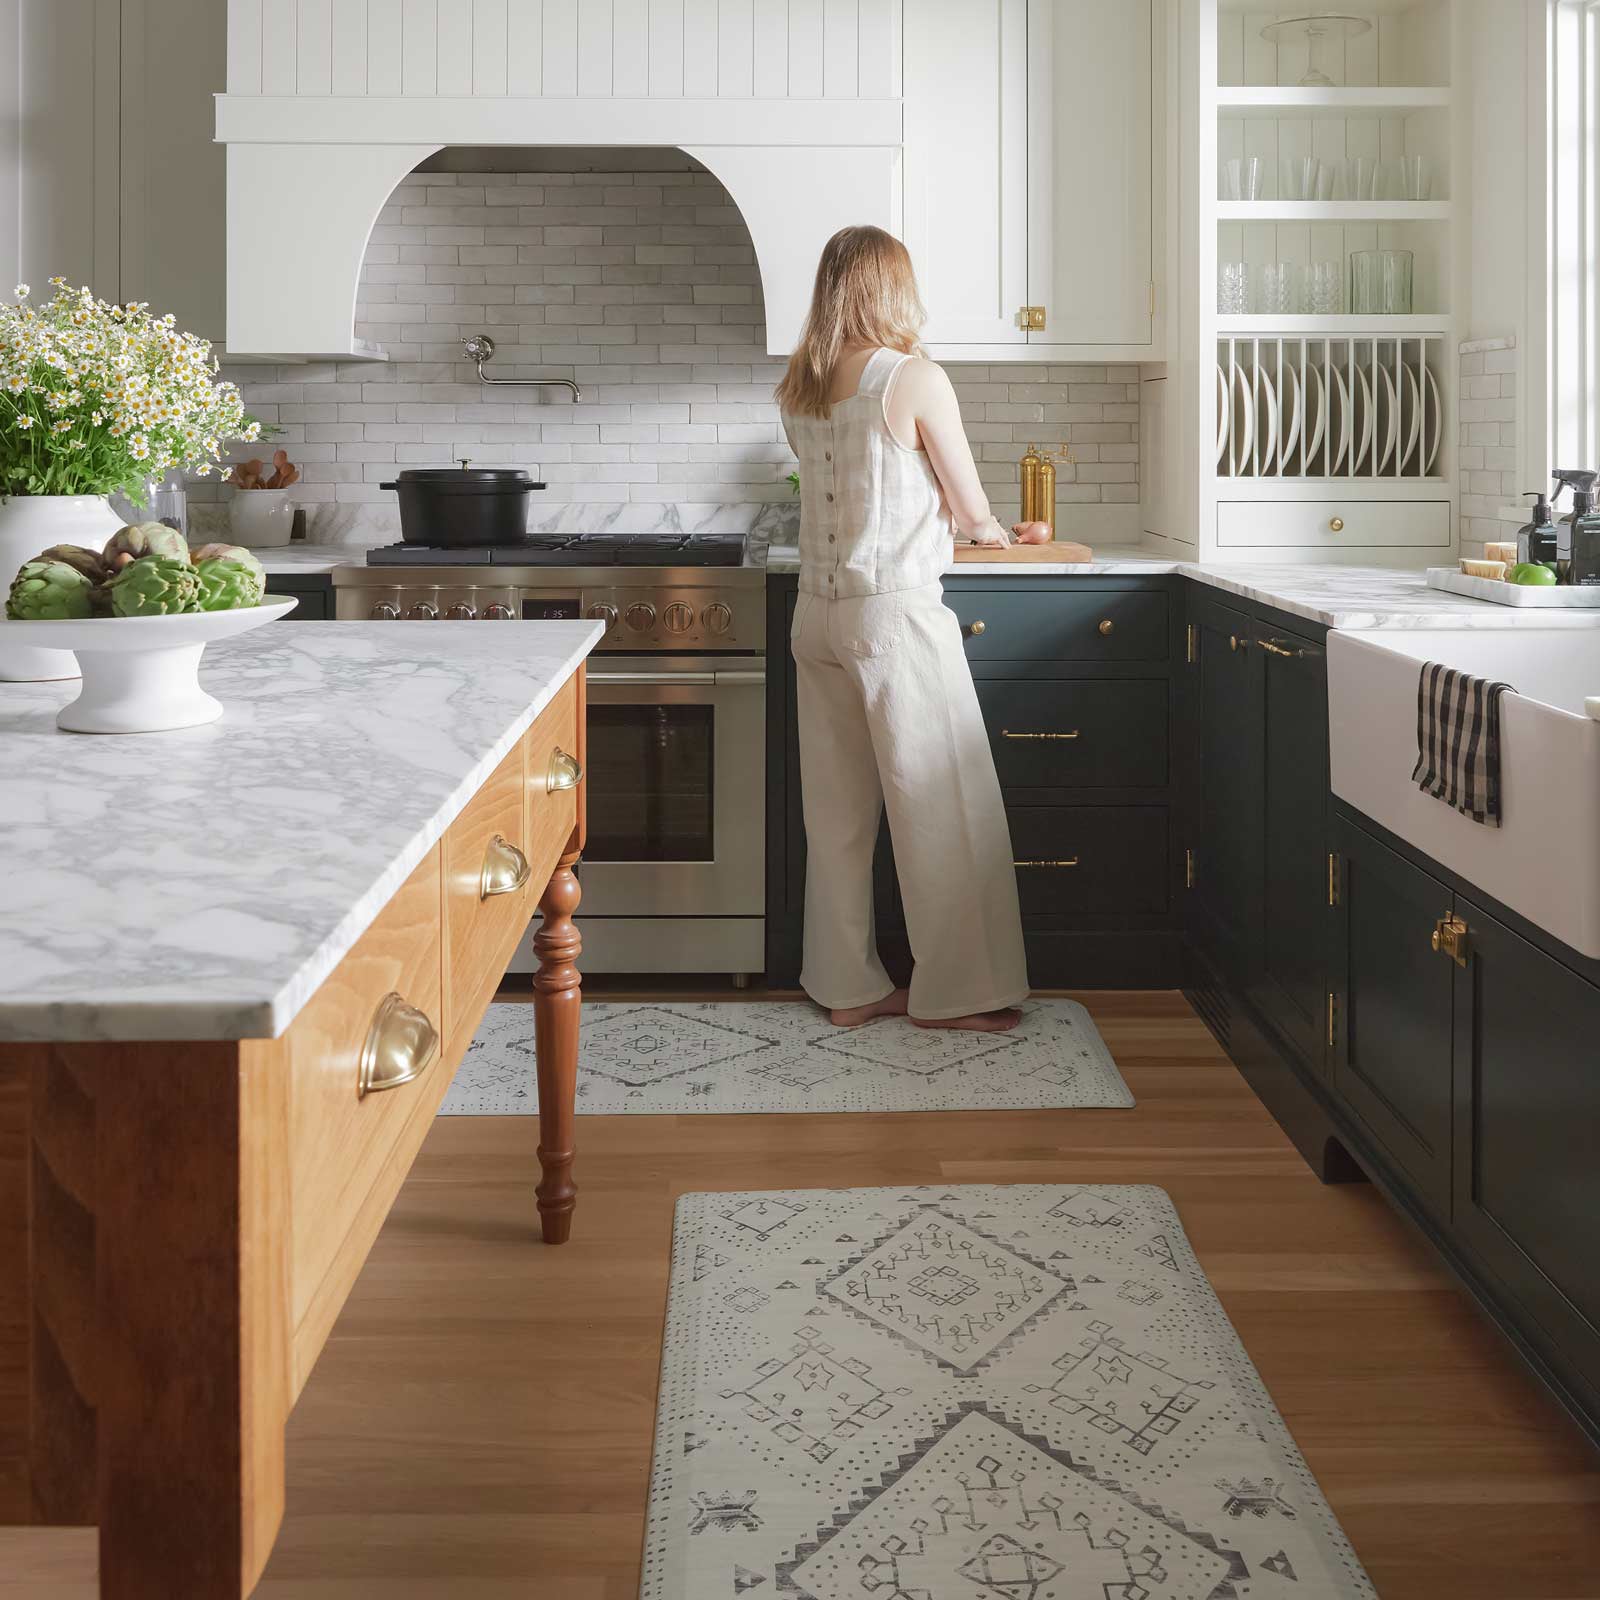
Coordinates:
1018	1393
784	1055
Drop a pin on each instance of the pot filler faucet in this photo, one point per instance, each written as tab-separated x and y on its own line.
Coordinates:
479	347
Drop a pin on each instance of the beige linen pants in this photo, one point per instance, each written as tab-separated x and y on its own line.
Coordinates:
889	717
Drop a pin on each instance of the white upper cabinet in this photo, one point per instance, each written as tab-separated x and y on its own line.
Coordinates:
1028	180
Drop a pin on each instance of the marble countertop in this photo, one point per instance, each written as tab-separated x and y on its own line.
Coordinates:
1337	596
310	558
201	884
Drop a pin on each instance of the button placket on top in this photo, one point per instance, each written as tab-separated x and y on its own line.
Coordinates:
833	530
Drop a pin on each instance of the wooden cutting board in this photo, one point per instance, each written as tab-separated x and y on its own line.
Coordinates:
1056	550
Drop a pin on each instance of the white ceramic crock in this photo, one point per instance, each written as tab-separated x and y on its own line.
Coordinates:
30	523
261	518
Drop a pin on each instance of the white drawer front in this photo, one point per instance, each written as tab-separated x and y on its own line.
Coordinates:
1333	524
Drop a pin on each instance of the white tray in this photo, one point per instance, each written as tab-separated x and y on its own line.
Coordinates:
1500	593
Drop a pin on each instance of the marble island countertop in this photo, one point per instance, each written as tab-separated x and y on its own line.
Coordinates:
1338	596
201	884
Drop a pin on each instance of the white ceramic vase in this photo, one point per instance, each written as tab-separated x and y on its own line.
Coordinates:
261	518
30	523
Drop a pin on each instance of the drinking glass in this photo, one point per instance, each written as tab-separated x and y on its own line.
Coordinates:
1413	179
1300	176
1380	283
1319	288
1361	178
1241	178
1275	291
1233	288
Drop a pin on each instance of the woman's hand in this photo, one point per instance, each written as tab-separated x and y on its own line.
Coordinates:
1031	532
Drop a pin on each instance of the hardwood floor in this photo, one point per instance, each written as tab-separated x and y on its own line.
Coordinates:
479	1425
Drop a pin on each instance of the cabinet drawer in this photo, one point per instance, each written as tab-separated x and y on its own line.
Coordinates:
1086	733
349	1152
489	894
552	813
1333	524
1062	625
1077	860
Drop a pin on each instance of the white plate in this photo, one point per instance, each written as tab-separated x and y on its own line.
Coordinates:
1410	417
1222	415
1341	421
1266	420
1315	416
1366	421
1242	424
1435	423
1386	418
1292	405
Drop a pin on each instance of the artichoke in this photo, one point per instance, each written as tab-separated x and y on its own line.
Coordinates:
228	585
48	591
232	552
144	539
154	586
88	562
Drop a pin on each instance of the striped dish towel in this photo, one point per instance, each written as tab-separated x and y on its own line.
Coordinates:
1458	741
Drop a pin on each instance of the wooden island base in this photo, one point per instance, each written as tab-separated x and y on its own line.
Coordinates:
191	1216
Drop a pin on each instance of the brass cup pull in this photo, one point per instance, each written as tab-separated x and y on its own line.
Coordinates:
1006	733
564	772
400	1046
1070	863
1336	524
973	629
505	868
1107	625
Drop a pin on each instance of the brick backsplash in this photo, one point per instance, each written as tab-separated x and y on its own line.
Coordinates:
643	287
1489	432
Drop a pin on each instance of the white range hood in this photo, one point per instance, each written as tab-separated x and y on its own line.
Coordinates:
801	124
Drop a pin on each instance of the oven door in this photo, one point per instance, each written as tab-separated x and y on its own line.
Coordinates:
676	769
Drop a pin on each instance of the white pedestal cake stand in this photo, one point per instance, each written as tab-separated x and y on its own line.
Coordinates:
141	674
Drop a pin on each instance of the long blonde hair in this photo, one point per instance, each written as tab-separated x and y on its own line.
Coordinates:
865	293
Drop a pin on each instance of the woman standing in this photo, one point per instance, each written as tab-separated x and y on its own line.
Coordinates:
888	713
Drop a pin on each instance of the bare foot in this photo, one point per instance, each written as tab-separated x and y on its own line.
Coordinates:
893	1004
978	1022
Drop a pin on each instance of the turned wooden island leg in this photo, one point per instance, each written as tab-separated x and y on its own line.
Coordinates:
558	997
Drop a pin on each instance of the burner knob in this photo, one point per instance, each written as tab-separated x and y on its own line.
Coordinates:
497	613
384	612
422	611
717	617
678	617
641	616
601	612
461	612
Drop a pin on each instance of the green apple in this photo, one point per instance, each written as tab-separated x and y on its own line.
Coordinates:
1533	573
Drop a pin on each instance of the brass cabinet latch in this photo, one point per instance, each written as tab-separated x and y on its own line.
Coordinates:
1450	938
1031	318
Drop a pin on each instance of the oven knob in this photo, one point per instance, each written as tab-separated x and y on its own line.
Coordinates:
461	612
678	617
384	612
497	613
717	617
601	612
641	616
422	611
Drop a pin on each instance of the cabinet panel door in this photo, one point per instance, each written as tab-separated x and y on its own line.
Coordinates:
1392	1053
1087	733
1090	260
1226	826
1527	1186
966	166
1294	841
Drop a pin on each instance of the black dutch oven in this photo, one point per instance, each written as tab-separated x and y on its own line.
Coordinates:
463	507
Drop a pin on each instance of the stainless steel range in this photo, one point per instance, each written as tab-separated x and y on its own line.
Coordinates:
674	870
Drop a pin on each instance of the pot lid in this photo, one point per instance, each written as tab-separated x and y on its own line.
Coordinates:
467	479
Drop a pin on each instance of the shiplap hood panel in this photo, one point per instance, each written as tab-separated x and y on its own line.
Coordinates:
793	104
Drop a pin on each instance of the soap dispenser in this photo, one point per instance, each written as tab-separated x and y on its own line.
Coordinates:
1536	538
1583	544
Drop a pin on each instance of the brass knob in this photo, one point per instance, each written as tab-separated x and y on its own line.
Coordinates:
505	868
1436	941
1236	643
1106	626
564	772
400	1046
975	628
1336	524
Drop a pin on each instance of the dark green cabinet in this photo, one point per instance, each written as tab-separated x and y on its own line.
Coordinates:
313	591
1393	997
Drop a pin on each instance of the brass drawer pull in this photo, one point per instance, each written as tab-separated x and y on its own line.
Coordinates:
564	772
505	868
400	1046
1107	625
1006	733
973	629
1072	863
1273	648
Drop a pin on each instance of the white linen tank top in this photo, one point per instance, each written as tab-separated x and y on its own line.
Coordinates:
872	516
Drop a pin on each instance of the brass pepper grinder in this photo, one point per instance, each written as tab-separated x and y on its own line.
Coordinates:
1045	510
1029	466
